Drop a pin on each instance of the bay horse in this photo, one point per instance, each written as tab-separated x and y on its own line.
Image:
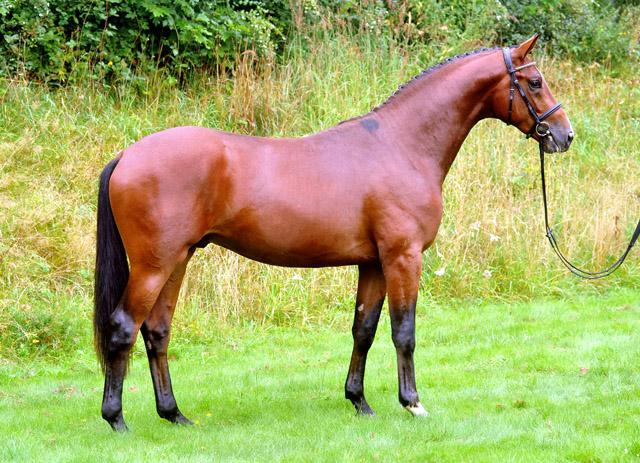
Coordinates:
367	192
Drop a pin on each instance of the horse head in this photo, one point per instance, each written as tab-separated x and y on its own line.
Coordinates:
532	108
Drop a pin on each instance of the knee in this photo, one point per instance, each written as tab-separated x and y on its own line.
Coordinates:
404	340
403	330
363	336
365	327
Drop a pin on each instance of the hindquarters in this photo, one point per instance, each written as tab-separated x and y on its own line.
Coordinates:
145	239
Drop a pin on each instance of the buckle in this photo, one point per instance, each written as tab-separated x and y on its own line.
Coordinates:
545	131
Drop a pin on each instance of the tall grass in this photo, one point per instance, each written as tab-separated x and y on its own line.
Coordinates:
54	142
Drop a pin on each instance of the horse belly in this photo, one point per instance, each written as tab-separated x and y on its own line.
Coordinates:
295	240
289	204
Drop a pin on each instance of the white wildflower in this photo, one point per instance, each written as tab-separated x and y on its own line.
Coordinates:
494	237
487	273
439	272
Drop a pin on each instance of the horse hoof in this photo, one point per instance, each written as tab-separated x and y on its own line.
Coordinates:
177	418
183	421
417	409
118	425
366	413
363	408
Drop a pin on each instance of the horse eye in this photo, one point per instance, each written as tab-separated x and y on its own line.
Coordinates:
535	84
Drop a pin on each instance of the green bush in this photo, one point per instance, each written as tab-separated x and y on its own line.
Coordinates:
51	39
64	40
579	29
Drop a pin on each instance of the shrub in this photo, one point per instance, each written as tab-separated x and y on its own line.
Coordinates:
579	29
49	39
62	40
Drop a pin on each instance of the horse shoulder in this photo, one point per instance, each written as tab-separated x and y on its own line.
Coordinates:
406	211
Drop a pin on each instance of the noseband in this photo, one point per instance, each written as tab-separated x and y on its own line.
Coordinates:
539	127
542	129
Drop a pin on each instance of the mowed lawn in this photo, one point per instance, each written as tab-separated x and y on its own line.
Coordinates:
541	381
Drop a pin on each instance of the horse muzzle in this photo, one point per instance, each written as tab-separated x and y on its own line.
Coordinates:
554	140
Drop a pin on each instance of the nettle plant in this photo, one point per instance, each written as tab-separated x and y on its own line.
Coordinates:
51	40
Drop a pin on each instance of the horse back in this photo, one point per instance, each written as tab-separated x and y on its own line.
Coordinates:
293	202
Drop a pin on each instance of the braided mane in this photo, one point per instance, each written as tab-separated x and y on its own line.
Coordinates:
426	72
418	77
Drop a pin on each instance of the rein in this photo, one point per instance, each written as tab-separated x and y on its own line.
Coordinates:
542	129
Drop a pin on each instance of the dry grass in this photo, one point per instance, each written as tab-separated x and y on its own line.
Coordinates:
55	142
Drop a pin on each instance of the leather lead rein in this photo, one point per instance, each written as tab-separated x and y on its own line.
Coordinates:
554	244
536	128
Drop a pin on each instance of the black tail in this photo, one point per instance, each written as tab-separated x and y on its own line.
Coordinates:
112	270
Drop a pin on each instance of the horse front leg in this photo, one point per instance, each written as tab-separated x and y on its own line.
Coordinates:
402	272
371	293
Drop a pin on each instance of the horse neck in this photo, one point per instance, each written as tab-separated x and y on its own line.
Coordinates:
433	115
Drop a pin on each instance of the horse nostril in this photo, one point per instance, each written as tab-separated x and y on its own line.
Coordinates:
570	136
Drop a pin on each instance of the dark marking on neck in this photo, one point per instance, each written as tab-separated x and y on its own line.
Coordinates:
370	125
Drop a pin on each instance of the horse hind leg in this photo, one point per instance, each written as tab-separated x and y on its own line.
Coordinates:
156	331
369	300
140	295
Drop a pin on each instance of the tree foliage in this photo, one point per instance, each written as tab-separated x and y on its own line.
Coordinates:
53	40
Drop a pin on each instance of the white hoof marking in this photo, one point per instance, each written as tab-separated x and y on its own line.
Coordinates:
417	410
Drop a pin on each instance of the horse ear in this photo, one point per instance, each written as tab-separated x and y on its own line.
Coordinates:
525	48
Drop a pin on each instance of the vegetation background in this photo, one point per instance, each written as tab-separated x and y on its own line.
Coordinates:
80	80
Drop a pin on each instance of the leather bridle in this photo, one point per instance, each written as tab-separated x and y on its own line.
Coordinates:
542	129
539	127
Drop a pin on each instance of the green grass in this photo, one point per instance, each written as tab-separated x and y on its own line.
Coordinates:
541	381
265	350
